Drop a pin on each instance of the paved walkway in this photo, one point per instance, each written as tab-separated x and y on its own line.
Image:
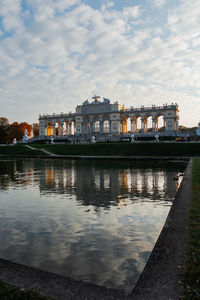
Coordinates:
45	151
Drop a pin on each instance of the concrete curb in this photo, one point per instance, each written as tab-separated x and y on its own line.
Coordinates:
82	157
162	274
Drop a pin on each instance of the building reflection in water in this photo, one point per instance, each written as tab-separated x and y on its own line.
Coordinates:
91	220
90	185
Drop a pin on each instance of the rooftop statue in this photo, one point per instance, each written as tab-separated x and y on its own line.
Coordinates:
96	101
86	102
106	100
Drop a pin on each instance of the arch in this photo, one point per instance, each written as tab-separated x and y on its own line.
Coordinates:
73	127
159	123
126	124
148	123
87	125
137	120
49	128
95	119
97	127
105	118
106	126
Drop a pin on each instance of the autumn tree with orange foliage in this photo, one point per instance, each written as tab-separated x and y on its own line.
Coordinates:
15	130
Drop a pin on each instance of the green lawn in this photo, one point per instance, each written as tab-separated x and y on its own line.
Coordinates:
125	149
19	150
108	149
8	292
192	267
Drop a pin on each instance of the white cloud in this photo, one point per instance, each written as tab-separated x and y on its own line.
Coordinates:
158	3
184	20
66	51
132	12
10	11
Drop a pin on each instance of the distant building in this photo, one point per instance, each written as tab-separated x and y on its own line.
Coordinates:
100	117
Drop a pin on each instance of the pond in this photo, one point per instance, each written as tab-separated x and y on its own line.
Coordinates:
90	220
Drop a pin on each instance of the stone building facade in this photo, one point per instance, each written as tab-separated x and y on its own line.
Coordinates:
99	117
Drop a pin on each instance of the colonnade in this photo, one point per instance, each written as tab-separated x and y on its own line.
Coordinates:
91	119
59	128
67	128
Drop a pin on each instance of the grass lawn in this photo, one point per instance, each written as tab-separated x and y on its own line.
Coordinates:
125	149
191	288
19	150
8	292
108	149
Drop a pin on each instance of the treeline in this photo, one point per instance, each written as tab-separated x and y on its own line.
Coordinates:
15	130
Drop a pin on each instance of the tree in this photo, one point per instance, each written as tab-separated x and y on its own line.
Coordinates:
4	128
25	126
35	129
16	131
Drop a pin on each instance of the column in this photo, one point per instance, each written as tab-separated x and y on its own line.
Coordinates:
83	128
153	125
54	128
91	127
145	125
121	127
44	132
41	130
61	128
70	128
110	126
142	125
164	123
132	126
157	125
101	127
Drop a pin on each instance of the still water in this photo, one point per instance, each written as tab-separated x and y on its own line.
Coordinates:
90	220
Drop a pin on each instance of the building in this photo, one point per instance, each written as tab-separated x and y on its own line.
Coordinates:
101	117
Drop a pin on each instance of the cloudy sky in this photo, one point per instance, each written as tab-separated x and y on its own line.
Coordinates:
54	54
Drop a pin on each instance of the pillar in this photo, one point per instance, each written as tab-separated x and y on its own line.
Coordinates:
142	125
70	128
83	128
132	126
41	130
46	131
145	125
101	127
91	127
54	128
164	123
67	128
153	125
61	128
110	126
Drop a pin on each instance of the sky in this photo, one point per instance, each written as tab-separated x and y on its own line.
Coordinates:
55	54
